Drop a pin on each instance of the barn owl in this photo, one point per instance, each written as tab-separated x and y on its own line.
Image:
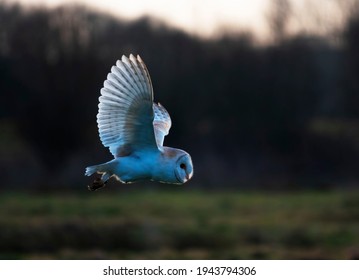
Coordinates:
133	127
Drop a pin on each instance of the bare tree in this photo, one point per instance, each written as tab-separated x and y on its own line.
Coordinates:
278	17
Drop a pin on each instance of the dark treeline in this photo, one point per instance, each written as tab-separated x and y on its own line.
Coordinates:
278	115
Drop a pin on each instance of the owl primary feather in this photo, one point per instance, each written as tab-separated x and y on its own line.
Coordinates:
133	127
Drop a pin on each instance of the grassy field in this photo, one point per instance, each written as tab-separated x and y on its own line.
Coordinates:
179	225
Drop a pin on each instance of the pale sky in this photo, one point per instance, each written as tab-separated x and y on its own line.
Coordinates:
208	17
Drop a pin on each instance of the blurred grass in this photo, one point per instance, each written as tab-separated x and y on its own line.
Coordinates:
179	225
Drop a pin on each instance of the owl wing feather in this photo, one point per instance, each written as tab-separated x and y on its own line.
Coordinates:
161	123
126	117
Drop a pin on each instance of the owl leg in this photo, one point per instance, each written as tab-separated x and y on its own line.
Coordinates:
99	183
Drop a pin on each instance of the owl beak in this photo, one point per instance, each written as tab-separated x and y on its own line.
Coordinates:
188	176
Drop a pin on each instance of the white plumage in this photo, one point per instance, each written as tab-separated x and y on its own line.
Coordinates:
134	128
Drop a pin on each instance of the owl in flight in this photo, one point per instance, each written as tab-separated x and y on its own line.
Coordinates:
133	127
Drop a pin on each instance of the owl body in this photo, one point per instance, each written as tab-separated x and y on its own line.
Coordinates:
163	166
133	127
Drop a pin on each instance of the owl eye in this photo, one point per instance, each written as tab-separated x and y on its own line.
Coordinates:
183	166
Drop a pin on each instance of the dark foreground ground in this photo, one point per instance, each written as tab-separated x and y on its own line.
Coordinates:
179	225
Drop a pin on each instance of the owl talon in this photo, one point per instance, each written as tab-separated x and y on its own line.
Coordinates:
97	184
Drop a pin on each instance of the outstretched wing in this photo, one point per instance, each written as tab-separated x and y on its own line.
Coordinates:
161	124
125	117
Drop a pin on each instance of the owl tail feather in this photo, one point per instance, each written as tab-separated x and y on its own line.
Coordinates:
100	168
91	170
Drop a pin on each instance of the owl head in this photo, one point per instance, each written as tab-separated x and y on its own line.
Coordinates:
175	166
183	168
